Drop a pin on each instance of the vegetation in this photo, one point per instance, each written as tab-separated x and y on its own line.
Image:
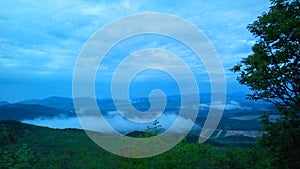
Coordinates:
28	146
272	72
155	129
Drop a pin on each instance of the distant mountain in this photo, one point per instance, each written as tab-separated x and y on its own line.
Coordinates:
61	103
235	104
66	104
3	103
54	106
20	112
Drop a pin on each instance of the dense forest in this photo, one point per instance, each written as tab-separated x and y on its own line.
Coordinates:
29	146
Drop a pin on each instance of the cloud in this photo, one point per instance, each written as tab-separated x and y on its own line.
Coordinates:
68	24
44	39
48	36
115	120
232	105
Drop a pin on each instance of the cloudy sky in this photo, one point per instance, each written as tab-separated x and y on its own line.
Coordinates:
40	42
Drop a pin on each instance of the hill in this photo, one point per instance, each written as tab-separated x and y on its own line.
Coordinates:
20	112
61	103
28	146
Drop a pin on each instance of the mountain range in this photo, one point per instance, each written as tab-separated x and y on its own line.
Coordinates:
63	106
241	117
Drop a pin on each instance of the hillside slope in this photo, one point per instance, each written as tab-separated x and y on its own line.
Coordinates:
28	146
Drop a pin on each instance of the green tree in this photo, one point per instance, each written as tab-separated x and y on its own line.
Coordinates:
272	72
16	156
155	129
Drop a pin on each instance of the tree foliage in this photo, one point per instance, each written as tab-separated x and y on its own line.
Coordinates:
41	148
272	72
155	129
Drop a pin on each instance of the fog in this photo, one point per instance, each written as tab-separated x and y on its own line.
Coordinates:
114	119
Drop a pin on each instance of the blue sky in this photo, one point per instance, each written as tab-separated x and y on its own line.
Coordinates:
41	40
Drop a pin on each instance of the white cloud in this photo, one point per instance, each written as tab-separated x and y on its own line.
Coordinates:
45	38
232	105
114	119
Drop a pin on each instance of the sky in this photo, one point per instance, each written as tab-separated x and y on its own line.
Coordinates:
40	42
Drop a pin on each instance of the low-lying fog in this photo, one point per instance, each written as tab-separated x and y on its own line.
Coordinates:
114	119
123	125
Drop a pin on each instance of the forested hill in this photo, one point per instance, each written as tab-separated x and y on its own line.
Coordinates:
28	146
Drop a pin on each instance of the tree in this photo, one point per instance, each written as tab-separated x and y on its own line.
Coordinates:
155	129
272	72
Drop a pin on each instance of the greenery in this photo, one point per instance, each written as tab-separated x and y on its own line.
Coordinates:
272	72
41	147
155	129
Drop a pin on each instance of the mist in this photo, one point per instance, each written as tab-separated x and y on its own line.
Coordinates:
114	119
